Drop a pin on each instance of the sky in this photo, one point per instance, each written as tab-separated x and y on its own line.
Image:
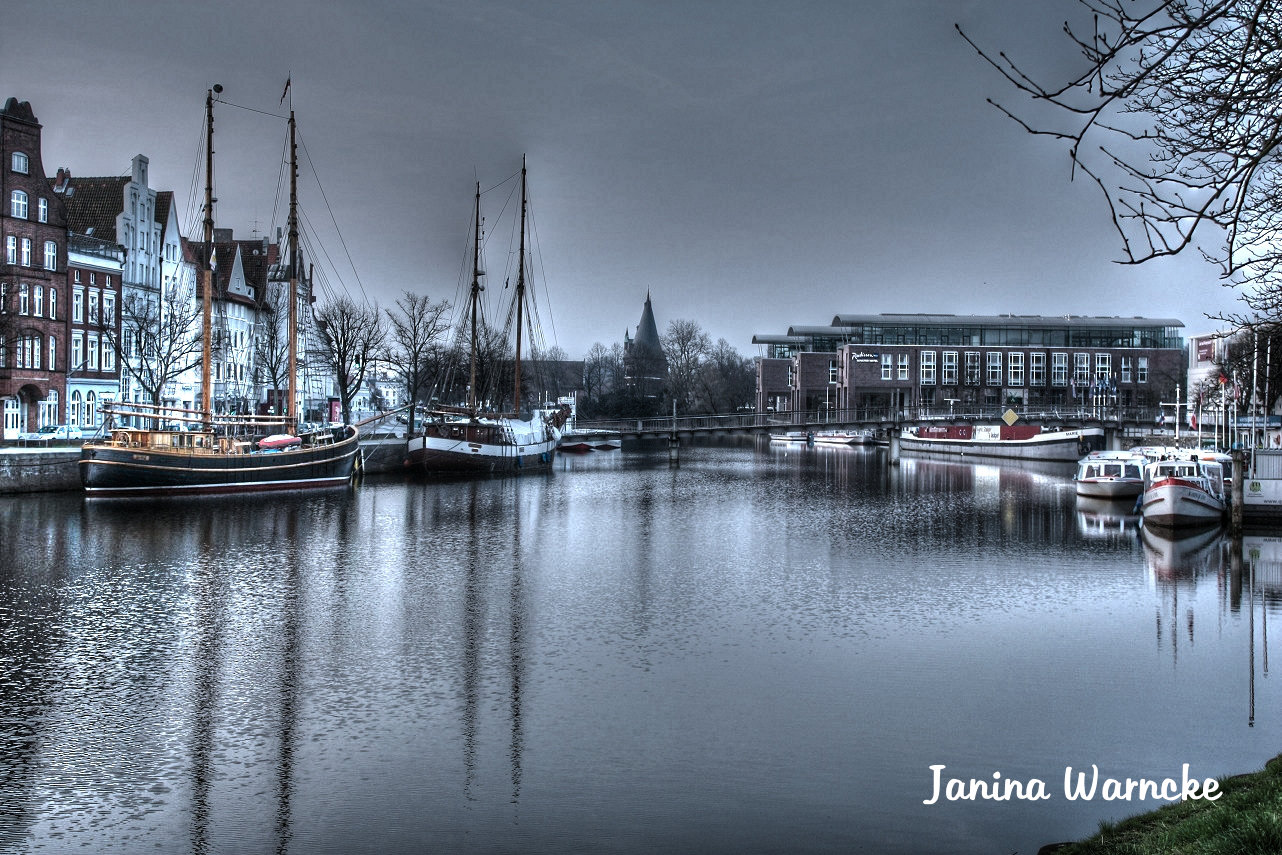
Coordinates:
751	166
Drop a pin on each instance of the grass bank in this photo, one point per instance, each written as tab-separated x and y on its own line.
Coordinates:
1245	820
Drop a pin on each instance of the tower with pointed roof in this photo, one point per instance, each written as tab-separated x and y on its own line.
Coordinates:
645	368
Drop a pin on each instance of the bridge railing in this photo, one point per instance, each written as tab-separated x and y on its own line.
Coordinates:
878	416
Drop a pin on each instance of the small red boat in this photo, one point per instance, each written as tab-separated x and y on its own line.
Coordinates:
278	440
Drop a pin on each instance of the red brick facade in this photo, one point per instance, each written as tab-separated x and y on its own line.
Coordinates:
33	279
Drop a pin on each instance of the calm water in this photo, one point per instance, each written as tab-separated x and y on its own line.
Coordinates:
752	651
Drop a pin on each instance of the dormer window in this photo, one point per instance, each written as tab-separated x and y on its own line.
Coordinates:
20	162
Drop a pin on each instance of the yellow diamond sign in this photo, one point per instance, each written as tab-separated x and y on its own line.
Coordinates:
1010	417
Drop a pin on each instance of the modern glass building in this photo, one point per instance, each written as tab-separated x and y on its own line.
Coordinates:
932	363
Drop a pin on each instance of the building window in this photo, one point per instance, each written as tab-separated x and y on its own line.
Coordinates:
93	278
78	305
20	162
18	204
11	250
93	307
994	368
1037	369
1103	367
1081	369
1141	369
832	371
93	352
903	366
1126	369
927	367
38	304
887	366
25	259
53	353
42	210
24	297
53	303
109	309
1059	369
108	355
51	255
972	368
950	368
1016	369
77	352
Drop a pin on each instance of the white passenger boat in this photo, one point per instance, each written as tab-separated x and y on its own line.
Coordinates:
1110	475
795	437
1183	493
843	437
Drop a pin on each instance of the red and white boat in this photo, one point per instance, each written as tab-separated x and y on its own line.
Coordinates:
1183	493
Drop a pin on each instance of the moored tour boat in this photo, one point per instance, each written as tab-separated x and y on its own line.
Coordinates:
1183	493
1110	475
843	437
1019	442
217	454
463	440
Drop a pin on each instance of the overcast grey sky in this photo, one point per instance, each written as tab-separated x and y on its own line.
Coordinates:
751	165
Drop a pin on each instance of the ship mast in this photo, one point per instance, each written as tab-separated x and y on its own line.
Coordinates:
206	327
520	297
476	291
291	409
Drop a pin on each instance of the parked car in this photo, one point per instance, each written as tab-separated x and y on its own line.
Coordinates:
52	433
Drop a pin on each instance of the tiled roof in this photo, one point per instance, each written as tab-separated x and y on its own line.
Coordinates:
94	203
164	201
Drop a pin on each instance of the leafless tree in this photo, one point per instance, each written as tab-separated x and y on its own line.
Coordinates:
1176	115
352	335
158	338
728	380
415	331
685	345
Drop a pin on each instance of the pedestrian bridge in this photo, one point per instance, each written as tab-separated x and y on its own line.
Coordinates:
1129	422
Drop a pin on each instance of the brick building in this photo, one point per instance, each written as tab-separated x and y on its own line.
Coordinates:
936	364
33	280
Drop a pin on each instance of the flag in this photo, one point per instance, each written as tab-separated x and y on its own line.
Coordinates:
286	92
213	258
1193	420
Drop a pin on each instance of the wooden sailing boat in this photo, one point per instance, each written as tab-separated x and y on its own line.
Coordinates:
222	454
464	440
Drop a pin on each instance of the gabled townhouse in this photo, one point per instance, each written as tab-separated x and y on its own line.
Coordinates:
94	269
124	211
241	269
33	280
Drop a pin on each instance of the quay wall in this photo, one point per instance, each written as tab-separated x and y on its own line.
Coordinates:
29	470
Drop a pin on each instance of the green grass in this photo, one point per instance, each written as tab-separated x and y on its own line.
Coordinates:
1245	820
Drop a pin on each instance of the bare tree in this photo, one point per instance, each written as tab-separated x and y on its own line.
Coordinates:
685	345
597	370
271	346
1176	115
352	335
415	333
728	379
158	338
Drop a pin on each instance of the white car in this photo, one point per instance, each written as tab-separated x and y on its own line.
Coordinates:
52	433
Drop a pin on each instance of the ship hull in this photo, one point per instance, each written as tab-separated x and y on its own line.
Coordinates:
112	470
444	456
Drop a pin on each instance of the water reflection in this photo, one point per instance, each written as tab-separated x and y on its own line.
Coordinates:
749	651
1107	519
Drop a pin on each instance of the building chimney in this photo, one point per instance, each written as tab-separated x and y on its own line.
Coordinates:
60	182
